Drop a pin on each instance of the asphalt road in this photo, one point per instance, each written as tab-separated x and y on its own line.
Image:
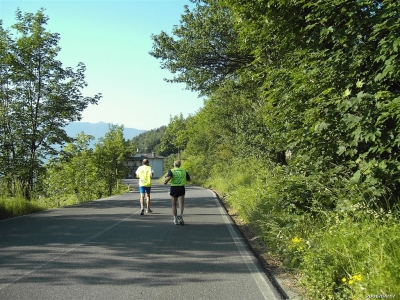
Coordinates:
106	250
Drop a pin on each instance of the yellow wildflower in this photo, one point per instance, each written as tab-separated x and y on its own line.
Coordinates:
357	277
296	240
344	279
351	281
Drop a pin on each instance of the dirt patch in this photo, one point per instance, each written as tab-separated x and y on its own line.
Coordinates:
286	280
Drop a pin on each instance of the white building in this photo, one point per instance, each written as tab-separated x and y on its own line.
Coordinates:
156	162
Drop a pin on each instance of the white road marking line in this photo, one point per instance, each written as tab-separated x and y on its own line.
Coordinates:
264	286
65	253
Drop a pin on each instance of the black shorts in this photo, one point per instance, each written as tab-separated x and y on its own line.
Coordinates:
177	191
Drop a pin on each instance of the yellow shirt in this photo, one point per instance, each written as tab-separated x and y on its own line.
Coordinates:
145	173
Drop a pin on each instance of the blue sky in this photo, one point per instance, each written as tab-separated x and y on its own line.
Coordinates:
113	38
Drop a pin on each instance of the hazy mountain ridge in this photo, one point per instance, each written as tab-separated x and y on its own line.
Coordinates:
98	130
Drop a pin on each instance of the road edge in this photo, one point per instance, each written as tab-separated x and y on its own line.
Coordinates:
284	291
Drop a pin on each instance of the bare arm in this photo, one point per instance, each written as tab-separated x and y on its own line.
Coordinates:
168	178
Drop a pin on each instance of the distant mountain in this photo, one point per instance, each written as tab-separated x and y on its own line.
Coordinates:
98	130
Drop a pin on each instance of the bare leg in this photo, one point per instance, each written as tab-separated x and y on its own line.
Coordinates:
148	200
181	204
174	201
141	200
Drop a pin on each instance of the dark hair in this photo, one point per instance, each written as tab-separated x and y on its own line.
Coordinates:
177	163
145	162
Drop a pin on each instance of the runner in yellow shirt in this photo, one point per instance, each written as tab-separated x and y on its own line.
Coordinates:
145	174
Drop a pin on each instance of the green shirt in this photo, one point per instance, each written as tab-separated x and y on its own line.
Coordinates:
178	177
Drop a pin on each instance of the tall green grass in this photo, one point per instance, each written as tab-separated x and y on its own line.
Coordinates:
13	207
349	259
323	228
17	206
13	203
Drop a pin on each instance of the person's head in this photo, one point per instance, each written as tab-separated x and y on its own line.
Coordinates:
145	162
177	163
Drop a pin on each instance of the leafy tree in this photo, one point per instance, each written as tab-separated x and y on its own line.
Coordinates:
148	141
319	78
74	171
38	97
175	138
204	51
329	83
5	95
323	81
110	154
90	173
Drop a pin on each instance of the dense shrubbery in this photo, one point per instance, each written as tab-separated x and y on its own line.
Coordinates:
343	253
79	174
300	130
38	98
18	205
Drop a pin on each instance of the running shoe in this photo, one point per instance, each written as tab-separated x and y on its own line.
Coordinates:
149	210
176	222
180	219
142	212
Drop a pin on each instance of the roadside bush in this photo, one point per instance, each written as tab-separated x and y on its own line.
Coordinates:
196	165
234	180
327	228
13	207
16	206
11	187
347	259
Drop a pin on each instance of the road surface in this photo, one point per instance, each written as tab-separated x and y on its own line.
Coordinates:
106	250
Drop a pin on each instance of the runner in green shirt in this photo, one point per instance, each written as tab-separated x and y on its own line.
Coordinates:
178	178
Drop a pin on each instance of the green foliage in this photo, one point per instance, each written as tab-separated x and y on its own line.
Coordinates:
353	241
11	187
89	174
38	98
204	51
175	138
169	162
12	201
318	70
79	174
13	207
110	154
74	171
350	260
165	140
302	136
148	141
